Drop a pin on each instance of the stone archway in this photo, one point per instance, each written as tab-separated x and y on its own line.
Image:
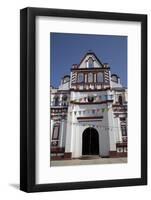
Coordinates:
90	142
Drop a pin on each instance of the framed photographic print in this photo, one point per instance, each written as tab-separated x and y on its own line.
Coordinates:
83	99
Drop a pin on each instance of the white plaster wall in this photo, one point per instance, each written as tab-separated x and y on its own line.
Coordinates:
104	143
77	140
76	131
64	86
117	130
114	85
68	142
78	95
51	127
62	134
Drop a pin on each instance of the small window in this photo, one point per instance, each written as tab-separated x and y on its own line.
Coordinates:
100	77
120	100
90	99
55	134
90	63
80	77
90	77
124	130
64	100
66	79
115	78
56	101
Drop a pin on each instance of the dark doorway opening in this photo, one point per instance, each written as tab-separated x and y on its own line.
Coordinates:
90	142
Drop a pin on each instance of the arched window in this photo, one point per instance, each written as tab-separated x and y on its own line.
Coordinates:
100	77
114	78
64	100
120	100
90	98
90	77
80	77
90	63
55	135
56	101
66	79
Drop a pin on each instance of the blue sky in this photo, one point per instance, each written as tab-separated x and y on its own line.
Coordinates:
67	49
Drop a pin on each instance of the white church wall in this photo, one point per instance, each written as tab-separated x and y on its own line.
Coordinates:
68	141
116	129
115	85
77	142
64	86
51	127
62	135
78	130
104	144
111	133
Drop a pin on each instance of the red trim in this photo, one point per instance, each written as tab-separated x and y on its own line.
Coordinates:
89	90
85	103
122	154
114	154
90	69
56	158
124	144
93	117
67	155
57	150
118	105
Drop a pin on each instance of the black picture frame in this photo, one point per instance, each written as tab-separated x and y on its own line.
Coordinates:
28	99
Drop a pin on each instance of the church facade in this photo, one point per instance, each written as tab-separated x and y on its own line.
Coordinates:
89	112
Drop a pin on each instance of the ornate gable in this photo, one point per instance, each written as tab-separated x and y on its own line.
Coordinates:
90	60
90	74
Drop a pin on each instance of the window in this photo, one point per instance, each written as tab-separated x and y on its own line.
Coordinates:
56	101
64	100
90	99
80	77
100	77
94	78
114	78
120	100
124	130
90	63
90	77
55	134
66	79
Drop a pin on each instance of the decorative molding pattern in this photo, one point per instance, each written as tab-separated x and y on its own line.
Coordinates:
86	103
90	69
89	90
90	117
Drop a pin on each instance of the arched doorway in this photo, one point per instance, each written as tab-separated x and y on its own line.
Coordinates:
90	142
